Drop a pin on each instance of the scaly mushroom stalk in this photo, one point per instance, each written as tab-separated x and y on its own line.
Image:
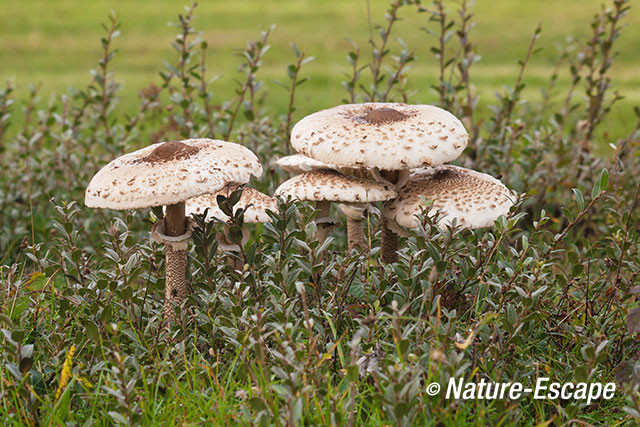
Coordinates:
388	244
324	228
176	286
389	239
355	234
355	213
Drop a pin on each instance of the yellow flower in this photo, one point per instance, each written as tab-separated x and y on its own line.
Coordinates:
65	376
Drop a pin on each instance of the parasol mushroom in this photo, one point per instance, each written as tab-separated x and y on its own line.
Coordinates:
388	138
327	185
255	205
167	174
472	199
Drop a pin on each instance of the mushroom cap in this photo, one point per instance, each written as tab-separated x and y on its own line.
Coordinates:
475	199
387	136
330	185
170	172
297	163
254	202
353	211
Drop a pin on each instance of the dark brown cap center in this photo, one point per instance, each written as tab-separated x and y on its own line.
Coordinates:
168	151
383	115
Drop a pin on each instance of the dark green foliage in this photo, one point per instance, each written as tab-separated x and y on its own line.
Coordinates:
304	333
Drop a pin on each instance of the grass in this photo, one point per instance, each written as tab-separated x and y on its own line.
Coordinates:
55	44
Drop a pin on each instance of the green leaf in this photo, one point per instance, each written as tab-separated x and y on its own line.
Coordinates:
291	70
604	179
118	417
352	373
92	332
512	317
601	183
579	198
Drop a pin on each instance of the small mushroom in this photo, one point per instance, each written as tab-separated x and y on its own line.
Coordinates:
297	164
167	174
473	199
254	203
327	185
387	138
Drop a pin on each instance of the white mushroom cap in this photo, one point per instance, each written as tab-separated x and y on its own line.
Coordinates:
297	163
170	172
254	202
387	136
332	186
475	199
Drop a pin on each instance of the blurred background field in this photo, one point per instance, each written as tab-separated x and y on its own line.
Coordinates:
55	44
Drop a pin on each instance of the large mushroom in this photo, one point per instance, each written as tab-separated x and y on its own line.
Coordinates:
327	185
472	199
167	174
255	204
389	138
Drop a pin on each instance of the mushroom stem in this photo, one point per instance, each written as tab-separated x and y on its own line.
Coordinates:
355	235
389	244
324	209
403	177
389	239
174	220
176	285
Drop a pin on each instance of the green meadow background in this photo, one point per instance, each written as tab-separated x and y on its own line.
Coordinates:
55	44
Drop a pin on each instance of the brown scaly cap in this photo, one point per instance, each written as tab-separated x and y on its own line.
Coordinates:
387	136
332	186
170	172
258	203
475	199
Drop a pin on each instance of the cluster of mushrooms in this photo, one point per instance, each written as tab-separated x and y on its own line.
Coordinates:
354	155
